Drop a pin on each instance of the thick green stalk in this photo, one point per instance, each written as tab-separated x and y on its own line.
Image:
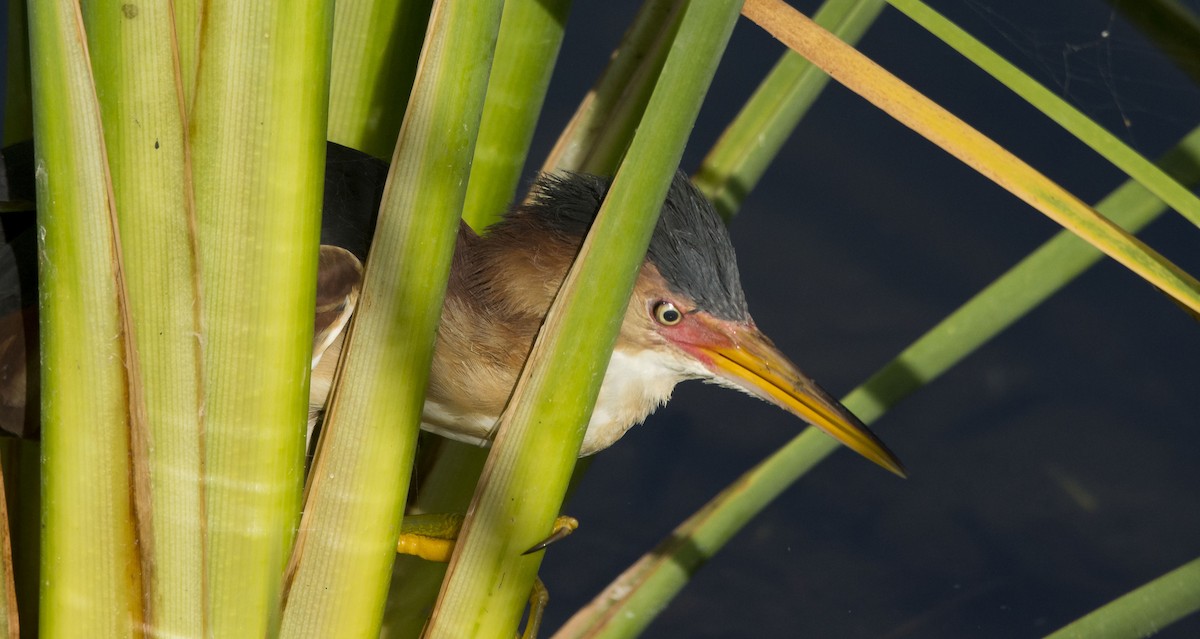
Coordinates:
599	132
141	104
91	570
750	143
258	139
359	480
1109	146
1142	612
526	50
632	600
375	49
526	476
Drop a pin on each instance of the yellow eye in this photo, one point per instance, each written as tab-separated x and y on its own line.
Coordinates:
667	314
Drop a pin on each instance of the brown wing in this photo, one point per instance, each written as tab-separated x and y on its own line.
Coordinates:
339	279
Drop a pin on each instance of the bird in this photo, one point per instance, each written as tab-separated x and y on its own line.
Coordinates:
687	318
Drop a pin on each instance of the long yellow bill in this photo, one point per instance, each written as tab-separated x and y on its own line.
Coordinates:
755	365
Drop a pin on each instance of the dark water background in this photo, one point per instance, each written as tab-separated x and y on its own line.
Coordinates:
1052	471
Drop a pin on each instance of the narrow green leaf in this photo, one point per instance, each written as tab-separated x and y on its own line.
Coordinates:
527	472
939	126
143	112
359	480
258	139
1056	108
1144	611
91	581
750	143
375	49
633	599
526	50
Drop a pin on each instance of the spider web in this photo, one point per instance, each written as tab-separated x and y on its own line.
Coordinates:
1098	61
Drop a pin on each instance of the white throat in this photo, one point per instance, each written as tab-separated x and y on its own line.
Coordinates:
635	384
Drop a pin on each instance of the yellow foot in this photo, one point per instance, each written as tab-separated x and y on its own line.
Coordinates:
431	537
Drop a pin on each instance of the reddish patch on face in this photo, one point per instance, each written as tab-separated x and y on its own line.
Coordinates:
698	334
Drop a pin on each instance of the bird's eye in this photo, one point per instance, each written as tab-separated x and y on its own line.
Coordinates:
667	314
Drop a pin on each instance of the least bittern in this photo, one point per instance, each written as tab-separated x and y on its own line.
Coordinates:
687	318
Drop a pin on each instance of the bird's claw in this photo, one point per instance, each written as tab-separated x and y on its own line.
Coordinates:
539	597
563	526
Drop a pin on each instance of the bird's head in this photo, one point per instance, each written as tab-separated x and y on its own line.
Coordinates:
688	314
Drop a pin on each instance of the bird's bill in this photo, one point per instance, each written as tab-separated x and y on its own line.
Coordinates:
750	361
